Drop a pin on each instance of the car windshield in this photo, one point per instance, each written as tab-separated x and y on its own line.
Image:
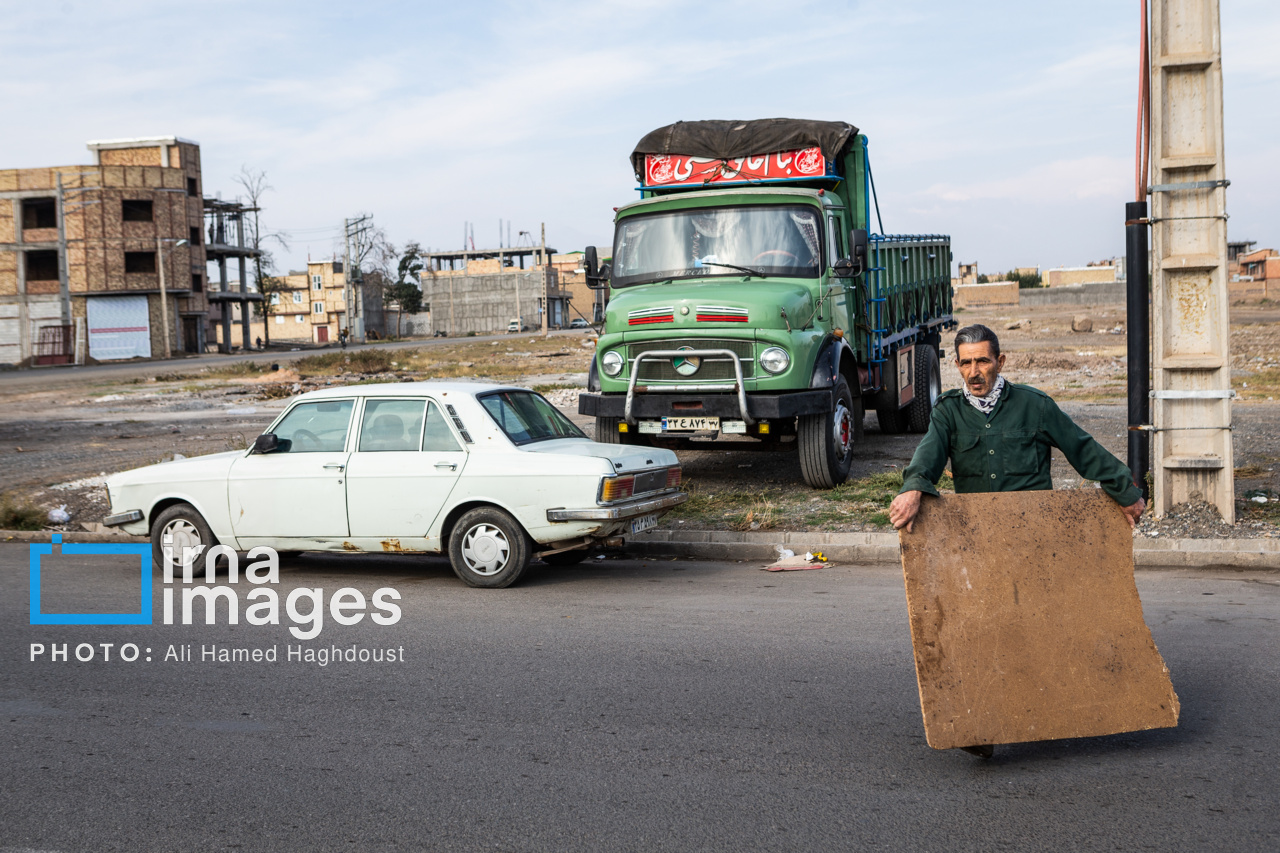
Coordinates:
527	417
772	240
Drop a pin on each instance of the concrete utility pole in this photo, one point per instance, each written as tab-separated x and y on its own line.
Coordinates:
1192	456
64	281
546	272
351	231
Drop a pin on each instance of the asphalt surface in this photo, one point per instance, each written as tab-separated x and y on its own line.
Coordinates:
621	705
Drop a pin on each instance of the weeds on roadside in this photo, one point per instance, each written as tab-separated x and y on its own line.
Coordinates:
20	514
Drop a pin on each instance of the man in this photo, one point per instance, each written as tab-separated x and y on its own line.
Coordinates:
999	436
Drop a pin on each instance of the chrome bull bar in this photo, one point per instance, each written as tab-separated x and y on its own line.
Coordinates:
709	354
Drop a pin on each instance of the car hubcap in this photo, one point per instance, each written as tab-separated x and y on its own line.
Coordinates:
181	534
842	429
485	549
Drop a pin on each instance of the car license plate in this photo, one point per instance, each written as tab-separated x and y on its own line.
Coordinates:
644	522
690	424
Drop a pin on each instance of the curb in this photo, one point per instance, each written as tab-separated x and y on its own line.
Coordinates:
857	549
878	549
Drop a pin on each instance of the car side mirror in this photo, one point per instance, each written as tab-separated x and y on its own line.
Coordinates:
266	443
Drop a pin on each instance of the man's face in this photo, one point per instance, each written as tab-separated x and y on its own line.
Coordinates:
978	367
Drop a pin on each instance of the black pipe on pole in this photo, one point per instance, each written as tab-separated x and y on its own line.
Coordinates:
1138	326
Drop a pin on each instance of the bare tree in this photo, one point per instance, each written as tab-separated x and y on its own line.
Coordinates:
255	187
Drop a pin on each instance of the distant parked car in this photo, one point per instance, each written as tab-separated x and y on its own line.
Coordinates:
579	323
515	326
490	475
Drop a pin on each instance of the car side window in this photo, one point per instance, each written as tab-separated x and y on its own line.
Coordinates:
391	425
319	427
437	437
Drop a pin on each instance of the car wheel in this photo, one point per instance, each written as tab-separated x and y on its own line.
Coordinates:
488	548
566	558
187	528
826	441
928	389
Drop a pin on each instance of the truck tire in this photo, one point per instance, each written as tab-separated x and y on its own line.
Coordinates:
826	441
893	421
607	433
928	388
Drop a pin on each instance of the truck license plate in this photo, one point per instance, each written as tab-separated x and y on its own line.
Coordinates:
690	424
644	522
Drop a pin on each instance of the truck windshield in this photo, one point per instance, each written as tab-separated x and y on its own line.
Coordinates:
773	240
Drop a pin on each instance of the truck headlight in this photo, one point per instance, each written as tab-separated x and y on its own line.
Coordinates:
611	363
775	360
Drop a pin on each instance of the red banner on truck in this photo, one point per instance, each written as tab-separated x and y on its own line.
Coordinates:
667	170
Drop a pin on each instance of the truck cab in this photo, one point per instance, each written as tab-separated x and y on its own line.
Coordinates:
748	299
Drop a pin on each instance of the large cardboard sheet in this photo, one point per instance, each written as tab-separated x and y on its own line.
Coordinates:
1026	621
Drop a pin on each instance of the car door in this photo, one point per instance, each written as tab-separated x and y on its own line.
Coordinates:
406	463
298	490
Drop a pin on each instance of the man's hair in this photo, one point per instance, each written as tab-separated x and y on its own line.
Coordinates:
976	334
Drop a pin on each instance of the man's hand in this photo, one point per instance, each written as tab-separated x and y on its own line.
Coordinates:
902	512
1132	512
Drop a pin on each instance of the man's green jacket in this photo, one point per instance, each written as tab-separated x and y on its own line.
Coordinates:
1009	450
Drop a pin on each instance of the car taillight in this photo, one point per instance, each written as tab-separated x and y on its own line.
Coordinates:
673	477
617	488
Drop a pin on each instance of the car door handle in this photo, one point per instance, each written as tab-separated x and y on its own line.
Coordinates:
338	465
452	466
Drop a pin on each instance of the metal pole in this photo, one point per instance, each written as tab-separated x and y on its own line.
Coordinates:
1138	328
164	299
64	284
542	256
346	277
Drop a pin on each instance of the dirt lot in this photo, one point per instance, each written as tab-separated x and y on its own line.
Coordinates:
58	439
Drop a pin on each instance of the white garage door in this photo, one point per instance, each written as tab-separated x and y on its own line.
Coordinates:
119	327
10	335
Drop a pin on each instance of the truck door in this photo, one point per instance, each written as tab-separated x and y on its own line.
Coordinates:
842	296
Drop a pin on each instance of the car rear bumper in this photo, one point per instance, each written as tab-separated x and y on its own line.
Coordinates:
618	512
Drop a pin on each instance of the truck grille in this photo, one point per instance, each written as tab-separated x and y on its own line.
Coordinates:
711	371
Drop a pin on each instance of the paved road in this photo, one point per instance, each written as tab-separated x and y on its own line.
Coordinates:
617	706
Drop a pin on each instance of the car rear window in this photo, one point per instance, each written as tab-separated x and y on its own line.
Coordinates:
527	417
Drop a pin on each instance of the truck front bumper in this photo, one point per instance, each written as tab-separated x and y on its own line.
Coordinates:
672	404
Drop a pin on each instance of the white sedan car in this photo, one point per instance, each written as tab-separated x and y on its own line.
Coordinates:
492	475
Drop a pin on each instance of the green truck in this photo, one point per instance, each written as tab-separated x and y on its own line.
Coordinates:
747	298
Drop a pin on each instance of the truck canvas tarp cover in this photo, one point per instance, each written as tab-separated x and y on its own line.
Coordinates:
725	140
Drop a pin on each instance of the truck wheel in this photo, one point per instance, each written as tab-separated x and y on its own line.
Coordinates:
893	420
607	433
826	441
928	388
488	548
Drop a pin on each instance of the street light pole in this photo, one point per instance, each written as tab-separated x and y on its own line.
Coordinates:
164	299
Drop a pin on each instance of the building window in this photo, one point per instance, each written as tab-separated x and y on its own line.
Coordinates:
140	261
317	307
317	282
197	282
192	189
297	297
300	318
275	299
195	235
39	213
279	319
137	210
42	265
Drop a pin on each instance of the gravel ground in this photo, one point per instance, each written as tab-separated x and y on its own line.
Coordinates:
57	442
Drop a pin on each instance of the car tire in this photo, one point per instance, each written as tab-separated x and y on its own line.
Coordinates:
826	441
928	388
566	558
488	549
187	527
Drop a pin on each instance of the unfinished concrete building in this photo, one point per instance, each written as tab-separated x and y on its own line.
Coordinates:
103	261
479	292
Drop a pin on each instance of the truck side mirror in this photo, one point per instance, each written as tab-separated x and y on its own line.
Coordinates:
597	277
859	244
266	443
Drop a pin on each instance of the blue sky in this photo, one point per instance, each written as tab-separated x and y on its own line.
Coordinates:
1008	125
